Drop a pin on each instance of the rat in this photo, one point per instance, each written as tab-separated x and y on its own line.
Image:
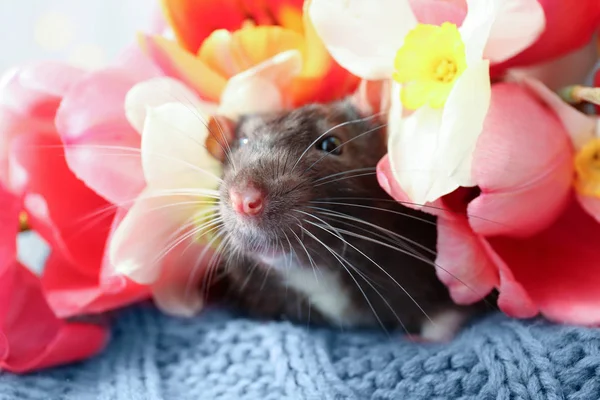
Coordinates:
308	234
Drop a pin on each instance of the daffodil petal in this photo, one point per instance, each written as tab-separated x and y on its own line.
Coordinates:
475	29
462	123
361	37
146	234
174	153
412	142
260	89
155	92
518	24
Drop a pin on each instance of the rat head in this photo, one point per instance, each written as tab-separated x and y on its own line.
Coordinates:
283	167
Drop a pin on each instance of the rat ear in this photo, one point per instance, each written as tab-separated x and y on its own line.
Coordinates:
221	135
372	97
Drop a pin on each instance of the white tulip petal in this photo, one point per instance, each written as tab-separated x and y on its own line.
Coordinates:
518	24
363	36
462	122
260	89
412	146
155	92
174	153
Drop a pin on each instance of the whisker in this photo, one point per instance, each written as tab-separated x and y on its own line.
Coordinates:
378	266
346	177
343	144
330	130
344	172
378	209
343	263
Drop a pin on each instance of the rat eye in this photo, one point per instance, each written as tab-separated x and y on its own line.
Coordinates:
243	141
330	144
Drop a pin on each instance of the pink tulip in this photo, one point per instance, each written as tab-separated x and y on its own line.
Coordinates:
31	335
76	225
523	233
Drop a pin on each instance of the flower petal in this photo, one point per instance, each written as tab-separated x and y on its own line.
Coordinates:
247	47
75	225
193	21
174	152
261	89
462	261
411	149
562	34
390	185
580	127
523	166
102	148
362	38
178	292
462	123
71	292
177	63
558	268
517	25
155	92
477	26
591	205
31	336
138	252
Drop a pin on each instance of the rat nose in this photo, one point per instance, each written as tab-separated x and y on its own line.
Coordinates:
247	201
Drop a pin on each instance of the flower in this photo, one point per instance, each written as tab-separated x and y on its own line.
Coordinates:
207	54
525	232
76	227
31	335
442	74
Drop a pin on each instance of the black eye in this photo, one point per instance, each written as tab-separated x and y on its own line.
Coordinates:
330	144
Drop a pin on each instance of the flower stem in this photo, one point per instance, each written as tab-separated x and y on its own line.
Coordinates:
576	94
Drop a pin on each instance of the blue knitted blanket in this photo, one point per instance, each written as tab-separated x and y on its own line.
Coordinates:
221	356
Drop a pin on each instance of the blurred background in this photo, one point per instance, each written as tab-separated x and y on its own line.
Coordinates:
86	33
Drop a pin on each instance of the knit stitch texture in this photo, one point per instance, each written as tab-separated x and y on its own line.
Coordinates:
221	356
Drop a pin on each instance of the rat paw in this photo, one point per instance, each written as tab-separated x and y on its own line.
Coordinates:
443	327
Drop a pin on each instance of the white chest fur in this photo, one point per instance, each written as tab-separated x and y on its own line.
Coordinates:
323	289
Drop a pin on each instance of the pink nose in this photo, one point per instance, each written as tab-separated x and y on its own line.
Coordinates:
247	201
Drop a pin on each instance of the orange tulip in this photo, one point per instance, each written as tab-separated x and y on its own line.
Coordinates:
217	39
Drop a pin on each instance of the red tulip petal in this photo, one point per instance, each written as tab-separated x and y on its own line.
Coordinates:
102	148
522	165
569	26
591	205
193	20
462	262
31	337
176	62
558	268
71	217
71	293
